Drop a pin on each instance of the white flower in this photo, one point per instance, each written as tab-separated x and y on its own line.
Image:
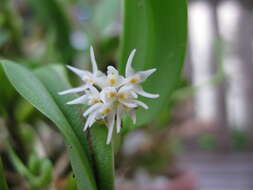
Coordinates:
110	96
95	77
135	78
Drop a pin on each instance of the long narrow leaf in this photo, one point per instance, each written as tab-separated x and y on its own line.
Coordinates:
158	30
34	91
102	154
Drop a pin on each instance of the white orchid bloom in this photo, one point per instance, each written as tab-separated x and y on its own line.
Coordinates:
113	77
110	96
135	78
95	77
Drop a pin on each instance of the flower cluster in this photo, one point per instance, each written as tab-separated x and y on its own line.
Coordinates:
110	96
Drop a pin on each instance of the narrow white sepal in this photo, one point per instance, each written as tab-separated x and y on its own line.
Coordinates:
129	104
129	69
86	124
92	119
91	109
79	72
145	74
73	90
118	119
81	100
111	121
146	94
141	104
93	61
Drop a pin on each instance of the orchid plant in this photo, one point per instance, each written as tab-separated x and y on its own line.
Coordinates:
148	26
110	96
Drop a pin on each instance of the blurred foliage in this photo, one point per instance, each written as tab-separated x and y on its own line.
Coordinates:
10	29
240	140
3	183
38	173
208	141
71	183
53	17
161	46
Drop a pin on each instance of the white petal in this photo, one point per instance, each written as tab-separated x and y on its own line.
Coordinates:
73	90
93	60
102	96
79	72
141	92
112	71
105	91
101	82
145	74
87	123
121	81
132	114
125	88
92	119
100	74
81	100
129	69
111	121
134	94
118	119
129	104
93	90
140	104
91	109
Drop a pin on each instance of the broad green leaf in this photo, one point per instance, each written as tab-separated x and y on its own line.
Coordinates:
3	184
103	157
46	101
158	30
102	154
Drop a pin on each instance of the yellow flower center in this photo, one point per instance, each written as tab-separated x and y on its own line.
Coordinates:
95	100
112	80
122	95
106	110
134	80
88	79
111	94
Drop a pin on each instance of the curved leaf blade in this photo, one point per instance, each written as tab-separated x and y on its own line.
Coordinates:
158	30
102	154
33	90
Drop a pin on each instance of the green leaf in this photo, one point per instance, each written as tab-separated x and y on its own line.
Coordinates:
3	184
103	157
158	30
43	176
7	91
102	154
53	106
